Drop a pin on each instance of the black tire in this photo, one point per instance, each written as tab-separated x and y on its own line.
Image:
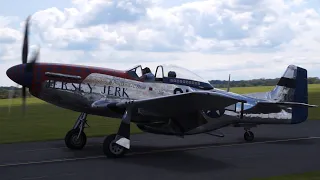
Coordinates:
111	149
248	136
72	142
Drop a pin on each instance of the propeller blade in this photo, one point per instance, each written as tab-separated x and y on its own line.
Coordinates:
32	61
34	58
25	52
25	48
10	96
23	99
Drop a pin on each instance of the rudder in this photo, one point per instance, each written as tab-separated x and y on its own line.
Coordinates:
293	87
300	114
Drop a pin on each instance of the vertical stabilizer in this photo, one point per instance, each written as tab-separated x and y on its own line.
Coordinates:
293	87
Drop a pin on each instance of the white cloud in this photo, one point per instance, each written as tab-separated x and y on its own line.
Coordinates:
247	38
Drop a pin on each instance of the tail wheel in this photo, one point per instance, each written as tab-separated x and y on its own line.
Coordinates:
248	136
72	140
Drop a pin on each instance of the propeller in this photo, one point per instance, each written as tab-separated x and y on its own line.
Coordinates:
32	61
10	96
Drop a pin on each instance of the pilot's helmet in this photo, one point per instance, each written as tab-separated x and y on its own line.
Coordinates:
172	74
146	70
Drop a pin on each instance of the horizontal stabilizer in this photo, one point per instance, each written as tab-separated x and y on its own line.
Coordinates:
285	104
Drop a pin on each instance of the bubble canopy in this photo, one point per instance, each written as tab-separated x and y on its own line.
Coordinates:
175	75
181	73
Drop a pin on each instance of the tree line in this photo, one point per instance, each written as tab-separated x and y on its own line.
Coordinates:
16	92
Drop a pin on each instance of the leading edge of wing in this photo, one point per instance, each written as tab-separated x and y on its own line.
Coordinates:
183	103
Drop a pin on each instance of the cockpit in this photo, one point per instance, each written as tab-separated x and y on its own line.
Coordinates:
172	74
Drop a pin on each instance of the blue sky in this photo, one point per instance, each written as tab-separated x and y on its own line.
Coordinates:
247	38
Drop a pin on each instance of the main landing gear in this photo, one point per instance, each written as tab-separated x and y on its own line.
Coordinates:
76	139
114	145
111	148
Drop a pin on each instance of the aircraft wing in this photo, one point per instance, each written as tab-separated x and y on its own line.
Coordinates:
182	103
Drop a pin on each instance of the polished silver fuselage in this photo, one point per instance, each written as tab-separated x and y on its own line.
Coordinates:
80	96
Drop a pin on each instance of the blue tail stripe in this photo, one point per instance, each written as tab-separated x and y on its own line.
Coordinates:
300	114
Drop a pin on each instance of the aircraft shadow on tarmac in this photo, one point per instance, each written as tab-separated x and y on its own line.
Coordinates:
180	157
176	161
151	150
172	158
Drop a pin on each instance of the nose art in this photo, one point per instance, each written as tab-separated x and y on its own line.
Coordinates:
17	74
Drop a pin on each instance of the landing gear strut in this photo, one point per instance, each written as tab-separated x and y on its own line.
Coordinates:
248	135
116	145
76	139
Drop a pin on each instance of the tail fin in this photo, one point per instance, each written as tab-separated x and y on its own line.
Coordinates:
293	87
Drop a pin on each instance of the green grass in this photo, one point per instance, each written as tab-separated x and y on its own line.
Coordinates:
44	121
315	175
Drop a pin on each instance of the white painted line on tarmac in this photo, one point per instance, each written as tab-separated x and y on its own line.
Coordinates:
48	149
51	176
50	161
63	147
156	151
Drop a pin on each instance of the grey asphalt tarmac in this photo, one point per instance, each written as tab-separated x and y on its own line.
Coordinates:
277	150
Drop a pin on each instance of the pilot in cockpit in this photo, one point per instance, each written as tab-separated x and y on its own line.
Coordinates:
147	75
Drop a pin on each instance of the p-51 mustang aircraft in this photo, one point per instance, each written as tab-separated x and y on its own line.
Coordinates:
177	102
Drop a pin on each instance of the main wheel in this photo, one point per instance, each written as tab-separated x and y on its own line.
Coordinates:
248	136
73	142
111	149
